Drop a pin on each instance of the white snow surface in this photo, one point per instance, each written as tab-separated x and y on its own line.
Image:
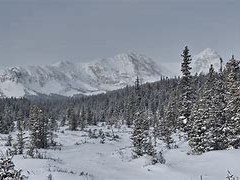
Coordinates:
68	78
81	158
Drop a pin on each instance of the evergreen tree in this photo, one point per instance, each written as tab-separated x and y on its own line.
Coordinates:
9	141
72	118
171	112
157	128
20	140
166	132
232	125
208	116
186	91
20	119
141	138
7	171
198	138
83	119
7	120
139	135
130	110
52	127
35	127
102	136
90	118
39	128
218	137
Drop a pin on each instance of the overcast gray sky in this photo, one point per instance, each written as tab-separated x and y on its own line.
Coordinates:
47	31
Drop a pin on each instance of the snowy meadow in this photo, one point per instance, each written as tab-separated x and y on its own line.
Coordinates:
82	157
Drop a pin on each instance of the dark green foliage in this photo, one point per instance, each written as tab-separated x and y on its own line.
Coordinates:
186	90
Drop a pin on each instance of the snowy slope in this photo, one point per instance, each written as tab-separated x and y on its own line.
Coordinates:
82	158
67	78
202	61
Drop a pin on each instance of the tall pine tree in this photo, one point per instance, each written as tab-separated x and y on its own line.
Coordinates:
186	92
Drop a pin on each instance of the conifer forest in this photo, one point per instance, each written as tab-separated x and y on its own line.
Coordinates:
200	110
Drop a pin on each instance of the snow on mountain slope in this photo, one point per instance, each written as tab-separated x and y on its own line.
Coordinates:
202	61
67	78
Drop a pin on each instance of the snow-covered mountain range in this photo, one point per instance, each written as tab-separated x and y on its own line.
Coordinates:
68	78
202	61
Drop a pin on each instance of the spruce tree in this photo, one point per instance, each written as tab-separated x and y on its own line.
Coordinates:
186	92
198	136
20	119
208	116
9	141
83	119
130	109
138	137
39	128
7	171
232	125
165	132
52	126
141	137
20	140
7	120
72	120
218	137
171	112
89	116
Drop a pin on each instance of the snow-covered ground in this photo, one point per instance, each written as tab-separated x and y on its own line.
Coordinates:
83	158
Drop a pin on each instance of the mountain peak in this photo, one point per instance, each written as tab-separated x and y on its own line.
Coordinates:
204	59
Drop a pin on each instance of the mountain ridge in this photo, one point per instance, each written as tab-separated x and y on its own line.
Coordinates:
67	78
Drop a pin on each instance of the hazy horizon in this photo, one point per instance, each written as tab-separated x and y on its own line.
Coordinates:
45	32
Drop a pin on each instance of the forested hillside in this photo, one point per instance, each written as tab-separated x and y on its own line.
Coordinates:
203	109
